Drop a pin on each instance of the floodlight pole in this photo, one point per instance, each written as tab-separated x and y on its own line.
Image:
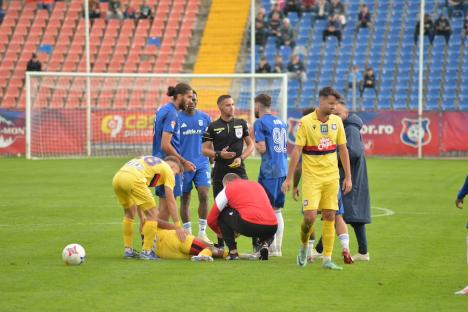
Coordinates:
420	78
88	82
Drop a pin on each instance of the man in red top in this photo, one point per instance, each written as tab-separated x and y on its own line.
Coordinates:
243	207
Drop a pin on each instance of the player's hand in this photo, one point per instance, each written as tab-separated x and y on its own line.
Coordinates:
459	203
295	193
181	234
225	154
347	186
286	186
189	166
236	163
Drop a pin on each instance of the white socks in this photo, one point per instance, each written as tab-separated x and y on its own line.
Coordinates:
279	232
310	246
187	227
344	241
201	227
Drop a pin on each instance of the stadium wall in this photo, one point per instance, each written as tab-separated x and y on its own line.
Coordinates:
385	133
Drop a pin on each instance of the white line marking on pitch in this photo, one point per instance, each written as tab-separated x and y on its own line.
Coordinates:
385	212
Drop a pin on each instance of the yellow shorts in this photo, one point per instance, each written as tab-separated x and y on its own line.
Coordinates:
320	195
132	190
168	245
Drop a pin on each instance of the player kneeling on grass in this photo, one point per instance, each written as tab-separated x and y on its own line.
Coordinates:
243	207
131	185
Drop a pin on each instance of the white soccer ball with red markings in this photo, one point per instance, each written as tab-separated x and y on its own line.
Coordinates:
73	254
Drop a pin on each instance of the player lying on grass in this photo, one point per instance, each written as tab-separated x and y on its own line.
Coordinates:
131	185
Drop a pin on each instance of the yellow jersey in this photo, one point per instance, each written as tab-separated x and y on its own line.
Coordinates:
154	170
319	142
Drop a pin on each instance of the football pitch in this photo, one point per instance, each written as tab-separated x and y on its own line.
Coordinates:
416	245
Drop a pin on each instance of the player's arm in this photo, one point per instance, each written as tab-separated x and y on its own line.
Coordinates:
296	153
344	157
172	208
167	148
260	147
354	144
461	195
249	147
296	180
219	204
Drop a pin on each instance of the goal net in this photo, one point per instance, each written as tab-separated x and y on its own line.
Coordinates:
71	115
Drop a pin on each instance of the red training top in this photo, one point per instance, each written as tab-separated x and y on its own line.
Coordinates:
248	198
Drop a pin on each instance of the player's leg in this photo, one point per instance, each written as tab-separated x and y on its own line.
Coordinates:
122	184
279	198
228	222
342	231
185	202
217	188
329	206
203	212
310	199
202	182
360	231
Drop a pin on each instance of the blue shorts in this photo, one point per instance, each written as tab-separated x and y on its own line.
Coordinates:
340	211
273	189
200	177
177	188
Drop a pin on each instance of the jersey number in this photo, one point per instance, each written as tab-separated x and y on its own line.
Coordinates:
280	140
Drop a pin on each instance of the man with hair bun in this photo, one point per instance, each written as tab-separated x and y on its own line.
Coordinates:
166	142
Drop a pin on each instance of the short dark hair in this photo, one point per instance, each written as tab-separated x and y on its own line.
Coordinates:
180	88
222	98
307	111
229	177
327	91
176	161
263	99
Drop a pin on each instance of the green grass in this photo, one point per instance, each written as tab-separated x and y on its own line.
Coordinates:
417	255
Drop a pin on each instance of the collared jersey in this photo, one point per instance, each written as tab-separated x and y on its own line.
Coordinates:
227	134
271	130
166	120
154	170
192	128
319	142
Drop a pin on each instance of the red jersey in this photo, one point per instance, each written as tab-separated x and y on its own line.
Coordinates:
250	201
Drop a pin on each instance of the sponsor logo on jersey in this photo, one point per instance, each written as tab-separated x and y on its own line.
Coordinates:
323	129
200	122
334	127
411	132
183	125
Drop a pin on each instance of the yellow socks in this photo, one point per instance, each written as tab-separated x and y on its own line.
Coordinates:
206	252
328	237
127	228
306	230
149	232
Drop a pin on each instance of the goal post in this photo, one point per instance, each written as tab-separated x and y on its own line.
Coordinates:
75	115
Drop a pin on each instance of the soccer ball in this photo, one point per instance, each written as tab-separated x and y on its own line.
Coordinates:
73	254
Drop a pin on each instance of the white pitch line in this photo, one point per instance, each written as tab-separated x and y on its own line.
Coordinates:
385	212
61	224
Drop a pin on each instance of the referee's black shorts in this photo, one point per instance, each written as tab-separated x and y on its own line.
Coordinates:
220	170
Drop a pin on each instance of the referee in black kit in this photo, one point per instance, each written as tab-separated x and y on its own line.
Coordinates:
223	141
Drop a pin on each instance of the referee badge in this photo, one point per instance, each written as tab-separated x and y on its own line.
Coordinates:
239	133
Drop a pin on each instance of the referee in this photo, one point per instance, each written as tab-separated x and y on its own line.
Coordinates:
223	141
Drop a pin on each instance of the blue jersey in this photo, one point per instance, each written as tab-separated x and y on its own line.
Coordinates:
166	121
192	128
272	131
